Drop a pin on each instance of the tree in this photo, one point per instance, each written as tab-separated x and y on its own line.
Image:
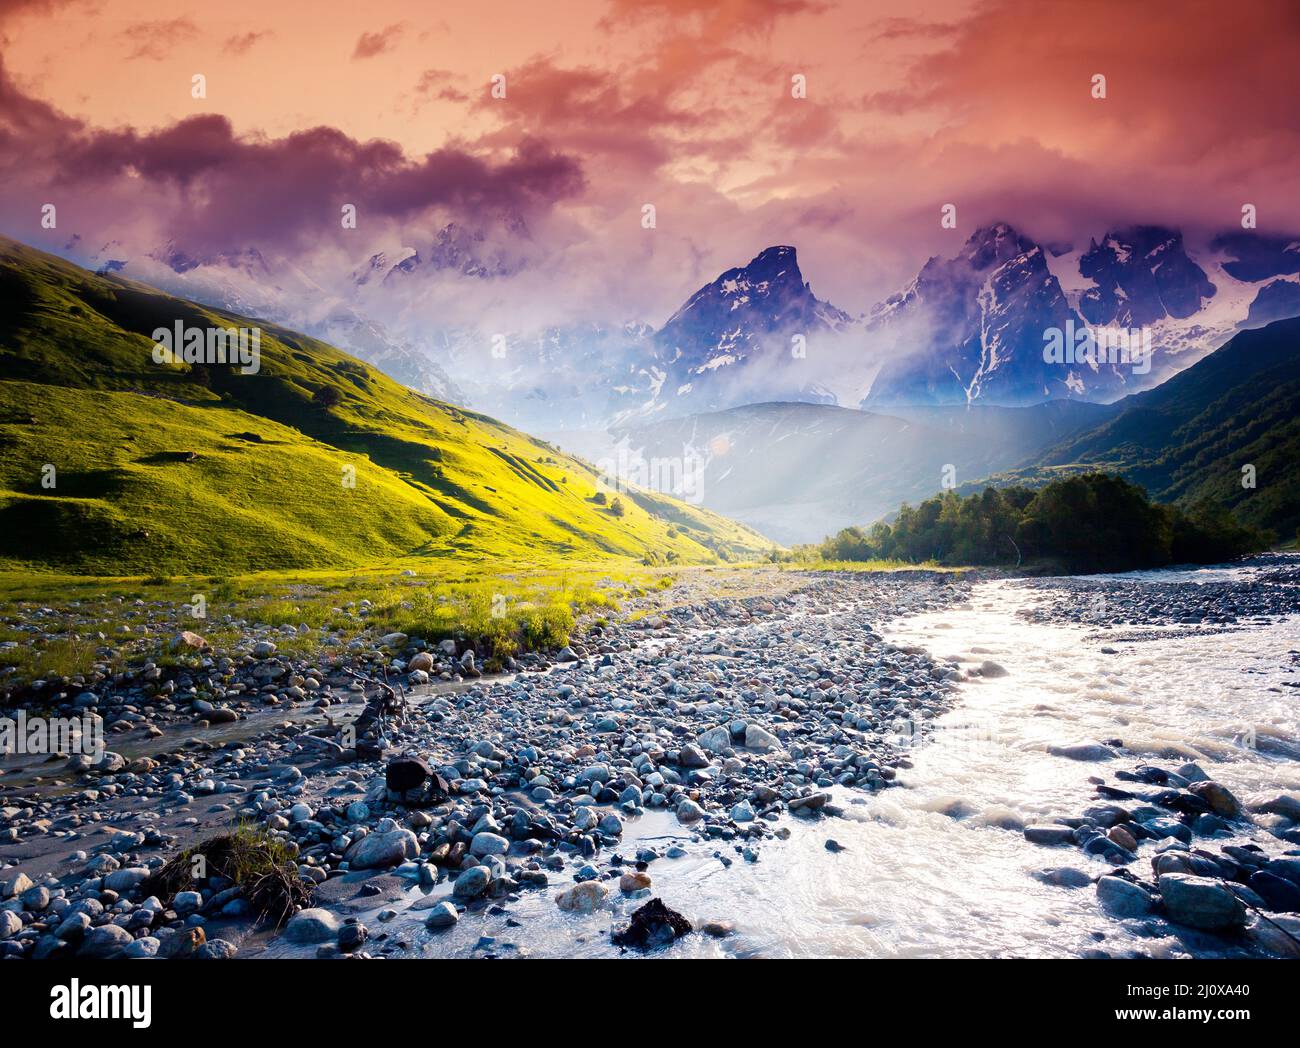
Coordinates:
327	397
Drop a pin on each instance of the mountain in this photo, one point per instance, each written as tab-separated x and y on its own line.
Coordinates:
798	472
114	463
973	328
980	317
1141	276
1191	437
455	249
738	338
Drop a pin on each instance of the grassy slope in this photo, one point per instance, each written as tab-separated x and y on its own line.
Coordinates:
1190	437
79	390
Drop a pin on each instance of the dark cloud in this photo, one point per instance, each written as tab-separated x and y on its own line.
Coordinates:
212	190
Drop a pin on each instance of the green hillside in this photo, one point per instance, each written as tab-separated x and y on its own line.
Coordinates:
1188	439
187	469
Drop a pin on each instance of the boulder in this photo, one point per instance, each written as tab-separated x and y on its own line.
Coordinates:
1280	934
1123	898
125	880
1049	834
407	773
1201	902
1218	797
312	926
381	850
1285	804
472	883
485	844
442	915
634	881
108	940
187	641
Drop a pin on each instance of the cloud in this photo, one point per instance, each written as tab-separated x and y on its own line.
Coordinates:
155	40
904	28
372	44
745	16
439	84
241	43
208	189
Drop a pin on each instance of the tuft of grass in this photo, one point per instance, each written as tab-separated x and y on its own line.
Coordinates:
70	656
260	864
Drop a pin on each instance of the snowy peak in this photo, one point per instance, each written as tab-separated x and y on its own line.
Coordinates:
769	289
1142	276
732	340
994	245
972	328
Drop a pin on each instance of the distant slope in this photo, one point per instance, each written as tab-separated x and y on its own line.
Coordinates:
1190	437
798	472
189	469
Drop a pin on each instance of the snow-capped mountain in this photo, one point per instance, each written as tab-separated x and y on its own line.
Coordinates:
972	328
975	328
454	250
744	337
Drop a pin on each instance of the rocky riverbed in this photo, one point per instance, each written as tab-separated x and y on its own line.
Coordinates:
728	715
787	770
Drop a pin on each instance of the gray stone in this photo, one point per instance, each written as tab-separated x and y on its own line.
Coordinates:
1049	834
312	926
1123	898
108	940
759	738
442	915
485	844
472	883
125	880
381	850
1201	902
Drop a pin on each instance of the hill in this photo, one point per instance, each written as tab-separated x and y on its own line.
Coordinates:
115	464
1190	438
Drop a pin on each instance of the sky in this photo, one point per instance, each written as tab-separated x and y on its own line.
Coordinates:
610	105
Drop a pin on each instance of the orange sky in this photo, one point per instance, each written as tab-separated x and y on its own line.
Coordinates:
613	103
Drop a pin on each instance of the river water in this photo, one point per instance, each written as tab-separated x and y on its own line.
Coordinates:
939	867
